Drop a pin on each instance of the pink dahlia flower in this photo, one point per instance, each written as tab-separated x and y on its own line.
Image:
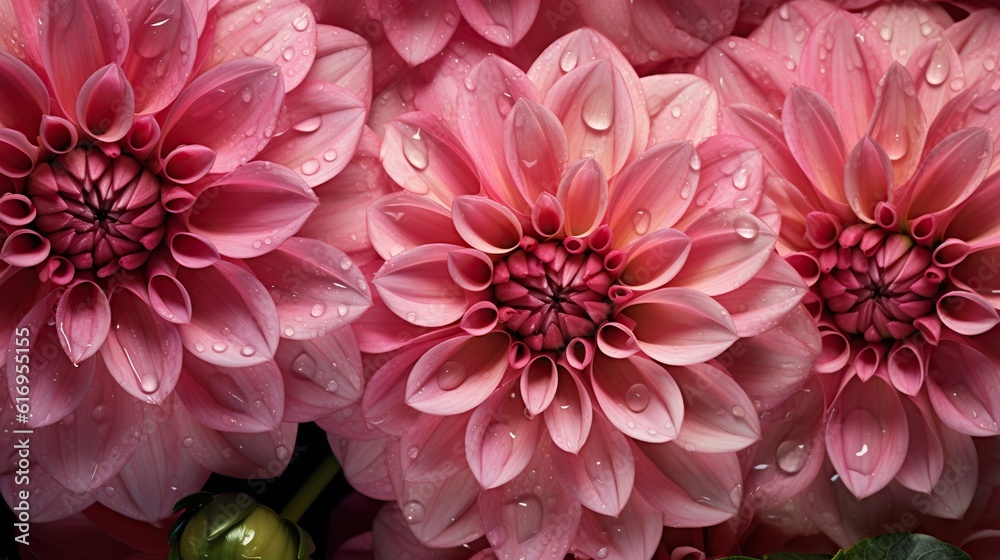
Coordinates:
882	160
575	318
157	159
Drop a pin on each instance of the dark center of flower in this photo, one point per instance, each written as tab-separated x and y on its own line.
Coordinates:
876	282
553	292
98	212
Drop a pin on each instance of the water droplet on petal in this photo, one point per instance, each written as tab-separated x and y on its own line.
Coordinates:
746	227
281	452
637	397
149	384
740	178
598	109
301	22
318	309
187	442
310	167
288	53
738	412
413	452
641	221
329	155
527	514
100	413
258	17
304	365
783	12
568	60
246	95
109	491
451	375
413	512
675	112
220	346
937	71
248	351
504	103
415	150
886	33
332	386
199	347
791	456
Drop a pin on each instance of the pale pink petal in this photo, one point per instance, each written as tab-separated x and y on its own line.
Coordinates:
905	27
325	126
500	441
843	60
966	313
814	137
868	178
241	455
418	29
363	463
728	247
708	391
731	176
249	399
680	326
233	320
59	136
634	533
345	59
785	29
954	492
217	108
867	435
907	367
639	397
416	286
433	448
964	388
595	106
764	301
315	287
536	149
571	413
742	71
143	351
976	40
655	259
167	295
679	108
48	499
539	380
83	318
690	489
583	194
426	158
24	99
924	461
976	106
252	210
973	221
653	191
53	395
524	519
458	374
160	60
104	434
282	32
936	69
504	22
439	514
898	123
76	40
601	473
949	174
320	375
485	224
403	221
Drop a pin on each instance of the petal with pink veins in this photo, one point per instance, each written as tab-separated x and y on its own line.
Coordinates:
83	318
814	137
536	149
439	514
569	417
241	455
383	401
966	313
868	178
218	107
924	461
639	397
905	27
363	463
634	533
973	221
418	30
690	489
786	33
143	351
49	499
404	221
105	433
907	367
583	195
949	174
731	176
433	448
601	473
249	399
503	22
425	158
252	210
325	125
24	99
743	71
976	106
159	58
345	59
964	387
935	66
485	224
728	248
653	191
458	374
233	320
315	287
954	493
655	259
978	269
539	381
500	440
416	286
898	123
282	32
679	109
976	39
321	375
762	302
867	435
708	391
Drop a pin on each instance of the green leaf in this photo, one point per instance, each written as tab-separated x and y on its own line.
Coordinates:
902	546
784	556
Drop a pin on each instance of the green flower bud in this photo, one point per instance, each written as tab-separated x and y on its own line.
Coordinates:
234	526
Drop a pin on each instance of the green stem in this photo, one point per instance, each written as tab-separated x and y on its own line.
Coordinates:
311	490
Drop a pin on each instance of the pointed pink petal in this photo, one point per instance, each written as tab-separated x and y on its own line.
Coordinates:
249	399
966	313
321	375
814	137
570	416
104	434
504	22
708	390
418	30
964	388
490	91
49	499
426	158
601	473
252	210
867	435
186	164
24	99
905	27
403	221
868	178
680	326
743	71
524	519
17	154
83	318
897	123
691	489
217	108
976	106
539	381
458	374
639	397
975	38
731	176
167	296
728	248
936	69
415	285
949	174
954	492
143	351
282	32
762	302
536	149
241	455
363	462
583	194
973	221
384	396
431	447
325	126
634	533
158	59
105	105
486	225
594	104
316	288
907	367
442	513
924	461
345	59
655	259
679	108
500	441
233	321
785	30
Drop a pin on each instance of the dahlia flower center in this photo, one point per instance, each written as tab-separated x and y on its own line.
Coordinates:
553	292
876	283
98	212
